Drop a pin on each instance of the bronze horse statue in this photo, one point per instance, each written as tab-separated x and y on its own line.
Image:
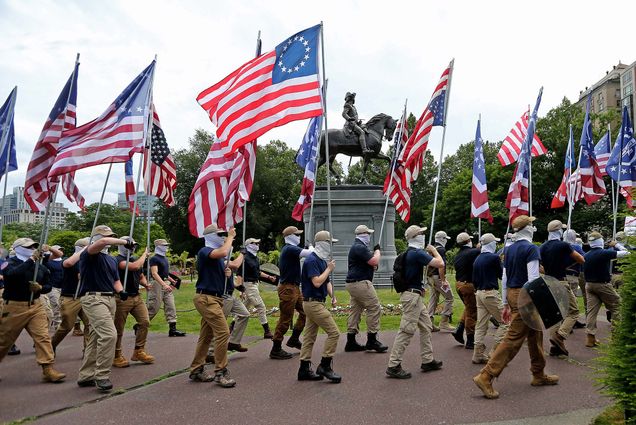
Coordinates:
378	127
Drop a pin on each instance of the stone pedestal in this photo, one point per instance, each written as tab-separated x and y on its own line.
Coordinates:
350	207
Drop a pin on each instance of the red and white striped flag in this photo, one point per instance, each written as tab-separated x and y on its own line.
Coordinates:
399	194
511	146
307	158
163	172
222	188
38	188
271	90
131	192
112	137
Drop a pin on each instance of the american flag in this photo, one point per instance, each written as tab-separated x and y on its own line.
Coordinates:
518	200
602	150
307	158
271	90
592	184
112	137
479	201
7	133
222	188
511	146
163	172
411	154
399	195
623	170
131	192
569	181
38	188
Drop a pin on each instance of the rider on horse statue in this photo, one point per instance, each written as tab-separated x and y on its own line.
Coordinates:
353	124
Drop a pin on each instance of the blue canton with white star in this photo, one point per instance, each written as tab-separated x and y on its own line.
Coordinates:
625	147
479	166
135	99
297	56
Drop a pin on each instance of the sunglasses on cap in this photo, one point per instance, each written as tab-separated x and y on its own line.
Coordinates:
222	234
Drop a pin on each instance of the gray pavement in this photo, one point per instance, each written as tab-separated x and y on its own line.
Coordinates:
268	392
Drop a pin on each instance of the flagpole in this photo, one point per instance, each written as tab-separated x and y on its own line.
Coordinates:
324	112
530	170
396	145
479	218
5	145
618	182
441	153
569	185
609	144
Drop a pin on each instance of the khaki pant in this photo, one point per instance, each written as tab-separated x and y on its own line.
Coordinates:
70	310
414	317
46	304
436	290
578	282
18	315
253	299
234	307
363	297
54	301
318	317
517	333
466	292
572	315
213	325
136	307
100	349
597	294
488	305
290	299
156	296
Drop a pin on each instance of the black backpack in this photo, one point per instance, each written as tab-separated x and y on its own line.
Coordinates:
399	273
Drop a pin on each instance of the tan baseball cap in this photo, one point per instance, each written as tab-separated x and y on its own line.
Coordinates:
324	235
82	242
25	243
555	225
620	236
594	236
161	242
363	229
212	228
291	230
463	238
57	247
103	230
128	238
521	222
441	235
413	231
487	238
252	240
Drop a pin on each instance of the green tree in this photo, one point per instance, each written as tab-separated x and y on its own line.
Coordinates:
66	239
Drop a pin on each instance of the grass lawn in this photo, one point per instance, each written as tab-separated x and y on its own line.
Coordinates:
189	319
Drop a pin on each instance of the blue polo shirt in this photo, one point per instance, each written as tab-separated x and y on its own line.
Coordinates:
163	266
359	269
517	257
555	257
252	268
415	261
574	268
487	270
70	281
313	266
57	272
434	271
98	272
597	265
211	272
289	264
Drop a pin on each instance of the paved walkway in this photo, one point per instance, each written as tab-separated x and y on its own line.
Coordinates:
268	392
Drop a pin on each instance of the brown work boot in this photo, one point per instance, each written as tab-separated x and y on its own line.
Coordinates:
223	378
433	327
77	330
120	360
484	382
558	343
541	380
479	354
51	375
139	355
591	341
201	375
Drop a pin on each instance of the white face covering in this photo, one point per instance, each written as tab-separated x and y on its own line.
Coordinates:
555	235
78	249
323	249
161	250
98	237
23	253
489	247
213	240
525	233
252	248
122	250
569	236
469	244
365	238
596	243
441	241
417	242
292	240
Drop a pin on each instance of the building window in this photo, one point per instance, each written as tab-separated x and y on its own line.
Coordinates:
627	77
601	102
627	90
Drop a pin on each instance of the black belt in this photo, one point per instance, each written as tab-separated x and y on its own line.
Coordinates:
131	294
211	293
103	294
353	281
319	300
598	283
415	291
290	283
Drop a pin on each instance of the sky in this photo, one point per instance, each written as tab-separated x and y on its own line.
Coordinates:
386	52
